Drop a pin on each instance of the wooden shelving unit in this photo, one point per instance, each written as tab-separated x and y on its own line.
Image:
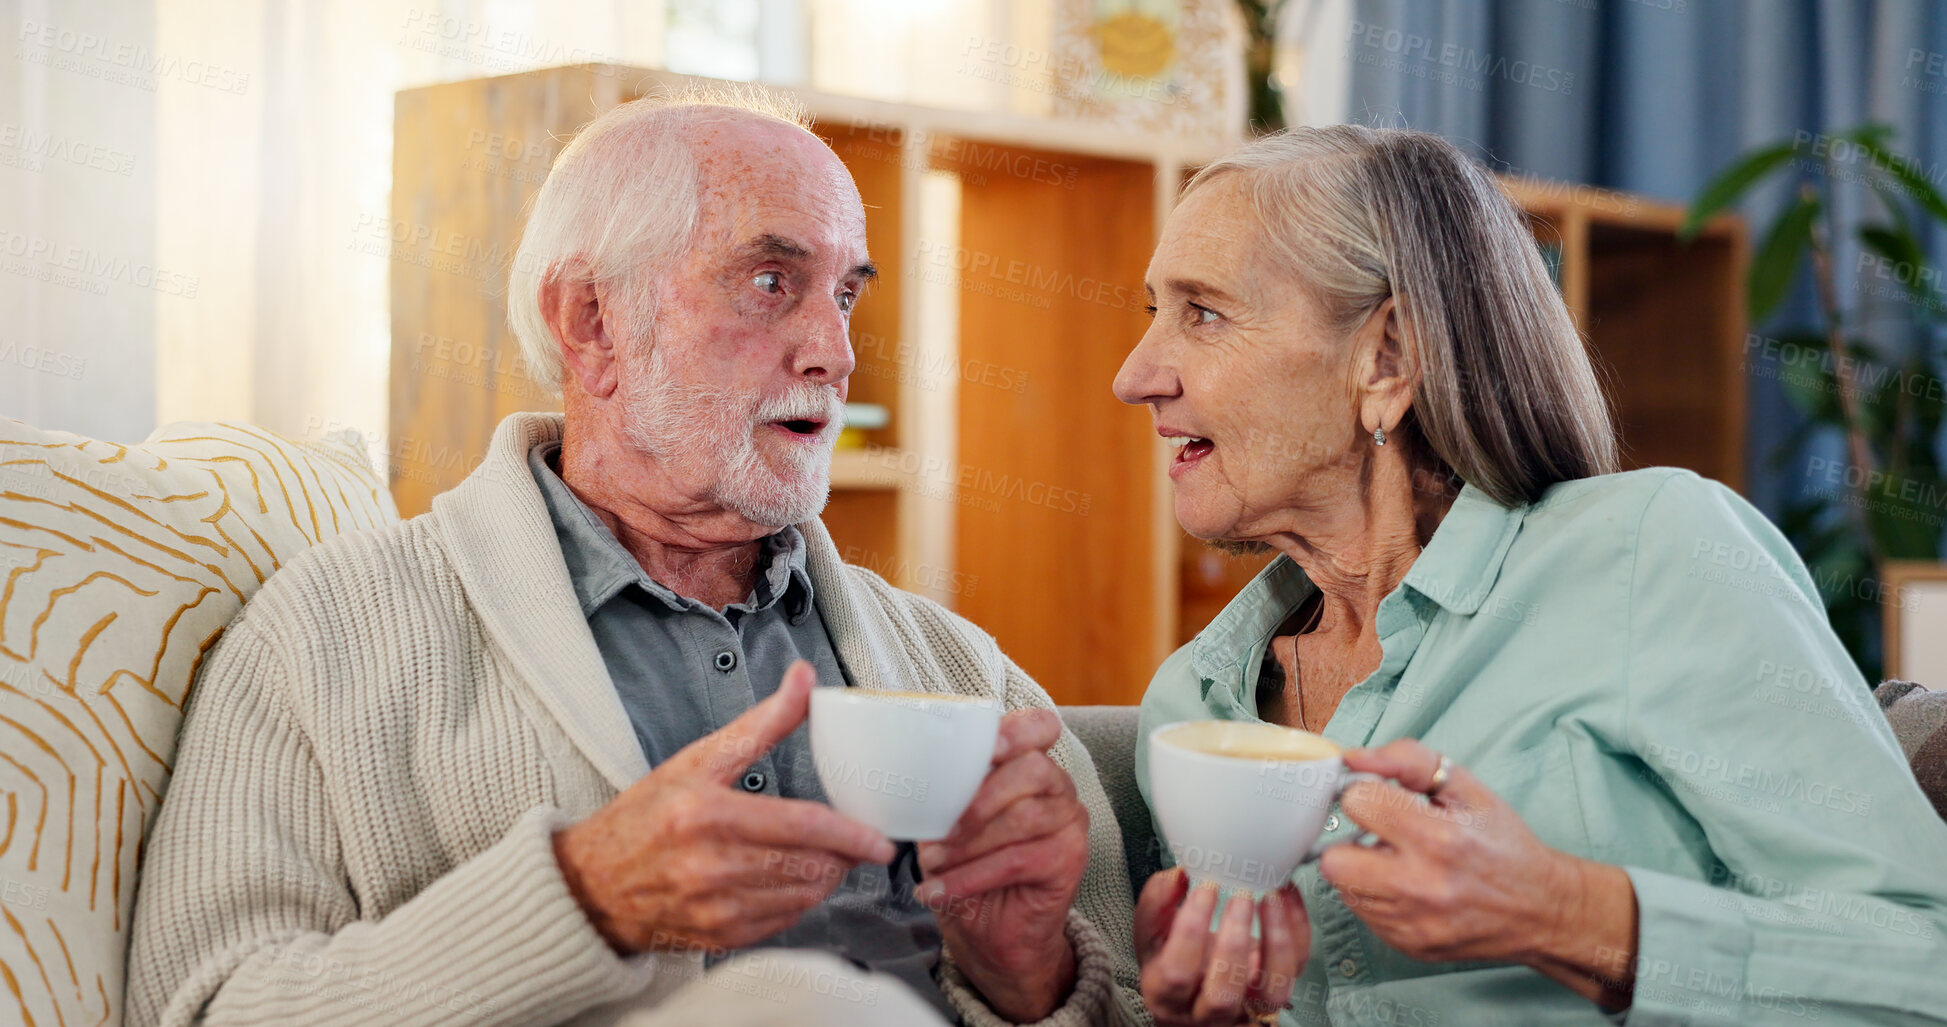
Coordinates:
1010	484
875	467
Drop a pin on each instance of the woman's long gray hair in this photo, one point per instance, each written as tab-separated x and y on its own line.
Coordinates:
1507	397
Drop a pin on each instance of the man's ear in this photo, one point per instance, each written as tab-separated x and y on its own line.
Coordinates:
574	308
1388	374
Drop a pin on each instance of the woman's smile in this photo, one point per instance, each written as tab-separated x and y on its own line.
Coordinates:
1190	450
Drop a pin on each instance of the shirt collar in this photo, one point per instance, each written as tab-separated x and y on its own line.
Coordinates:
600	567
1463	559
1456	570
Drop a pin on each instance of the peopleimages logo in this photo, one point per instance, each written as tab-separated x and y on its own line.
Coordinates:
1451	63
85	269
96	56
31	151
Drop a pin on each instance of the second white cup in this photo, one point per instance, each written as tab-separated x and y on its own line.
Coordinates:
1242	804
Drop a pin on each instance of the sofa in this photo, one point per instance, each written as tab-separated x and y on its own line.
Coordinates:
120	566
1109	735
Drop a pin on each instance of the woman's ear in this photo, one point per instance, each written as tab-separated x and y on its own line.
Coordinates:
1388	375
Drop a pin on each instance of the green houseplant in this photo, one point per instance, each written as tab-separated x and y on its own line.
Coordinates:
1885	498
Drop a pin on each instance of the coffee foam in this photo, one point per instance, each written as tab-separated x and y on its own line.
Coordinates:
1244	740
928	696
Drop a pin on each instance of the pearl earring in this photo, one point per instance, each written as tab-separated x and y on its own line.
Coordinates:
1379	436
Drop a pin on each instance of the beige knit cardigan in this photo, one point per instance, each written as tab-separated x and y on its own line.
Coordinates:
374	758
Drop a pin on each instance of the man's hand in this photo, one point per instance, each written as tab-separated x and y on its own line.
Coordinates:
683	859
1003	880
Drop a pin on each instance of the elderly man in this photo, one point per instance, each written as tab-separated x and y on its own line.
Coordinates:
537	756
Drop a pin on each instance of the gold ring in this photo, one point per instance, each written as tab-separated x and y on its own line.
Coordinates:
1265	1020
1440	775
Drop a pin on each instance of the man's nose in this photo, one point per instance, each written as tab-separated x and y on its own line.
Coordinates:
825	357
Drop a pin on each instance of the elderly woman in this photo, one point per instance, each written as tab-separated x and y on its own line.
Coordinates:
1631	768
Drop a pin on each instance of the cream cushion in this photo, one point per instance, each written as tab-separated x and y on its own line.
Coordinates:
119	567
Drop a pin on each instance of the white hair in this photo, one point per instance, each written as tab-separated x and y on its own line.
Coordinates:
1509	400
621	201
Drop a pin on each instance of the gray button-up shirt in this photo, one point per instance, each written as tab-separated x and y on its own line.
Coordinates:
684	669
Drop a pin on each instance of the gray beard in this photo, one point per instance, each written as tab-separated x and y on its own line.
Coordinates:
667	417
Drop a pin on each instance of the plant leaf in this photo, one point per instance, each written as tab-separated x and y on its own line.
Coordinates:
1911	181
1873	133
1895	202
1771	270
1895	244
1905	513
1730	184
1929	401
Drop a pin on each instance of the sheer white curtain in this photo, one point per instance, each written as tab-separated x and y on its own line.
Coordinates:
182	183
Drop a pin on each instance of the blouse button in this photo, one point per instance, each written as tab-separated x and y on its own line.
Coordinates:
754	782
726	661
1332	823
1347	967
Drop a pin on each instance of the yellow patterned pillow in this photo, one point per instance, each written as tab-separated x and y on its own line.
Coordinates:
119	567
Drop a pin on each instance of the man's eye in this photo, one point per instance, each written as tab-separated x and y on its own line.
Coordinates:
1204	314
847	300
769	281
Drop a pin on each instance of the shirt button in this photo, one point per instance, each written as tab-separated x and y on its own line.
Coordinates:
1347	967
1332	822
754	782
726	661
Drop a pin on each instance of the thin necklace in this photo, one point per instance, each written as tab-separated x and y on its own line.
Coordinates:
1298	675
1318	614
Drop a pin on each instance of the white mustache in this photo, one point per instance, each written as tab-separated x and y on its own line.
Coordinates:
803	403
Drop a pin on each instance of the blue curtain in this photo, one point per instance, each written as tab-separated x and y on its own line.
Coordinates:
1656	96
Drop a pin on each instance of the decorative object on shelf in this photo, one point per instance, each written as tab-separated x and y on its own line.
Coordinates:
1885	499
859	419
1173	66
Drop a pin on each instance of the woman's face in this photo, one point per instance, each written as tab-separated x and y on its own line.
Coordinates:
1238	372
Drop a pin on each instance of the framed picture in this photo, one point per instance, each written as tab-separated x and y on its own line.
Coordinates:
1174	67
1915	608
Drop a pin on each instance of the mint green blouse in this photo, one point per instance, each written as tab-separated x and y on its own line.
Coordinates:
1639	665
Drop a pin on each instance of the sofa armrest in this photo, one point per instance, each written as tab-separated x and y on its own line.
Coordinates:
1109	735
1919	721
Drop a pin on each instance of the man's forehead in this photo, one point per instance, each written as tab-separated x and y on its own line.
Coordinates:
740	155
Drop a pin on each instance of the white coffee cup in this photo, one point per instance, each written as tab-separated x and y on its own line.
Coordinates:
906	763
1242	804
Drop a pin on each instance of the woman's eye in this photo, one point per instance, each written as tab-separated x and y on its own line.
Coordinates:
1150	309
769	281
1204	315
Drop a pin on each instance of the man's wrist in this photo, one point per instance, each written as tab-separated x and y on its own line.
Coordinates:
571	876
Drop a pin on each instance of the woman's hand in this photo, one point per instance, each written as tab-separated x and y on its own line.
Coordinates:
1459	876
1190	977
